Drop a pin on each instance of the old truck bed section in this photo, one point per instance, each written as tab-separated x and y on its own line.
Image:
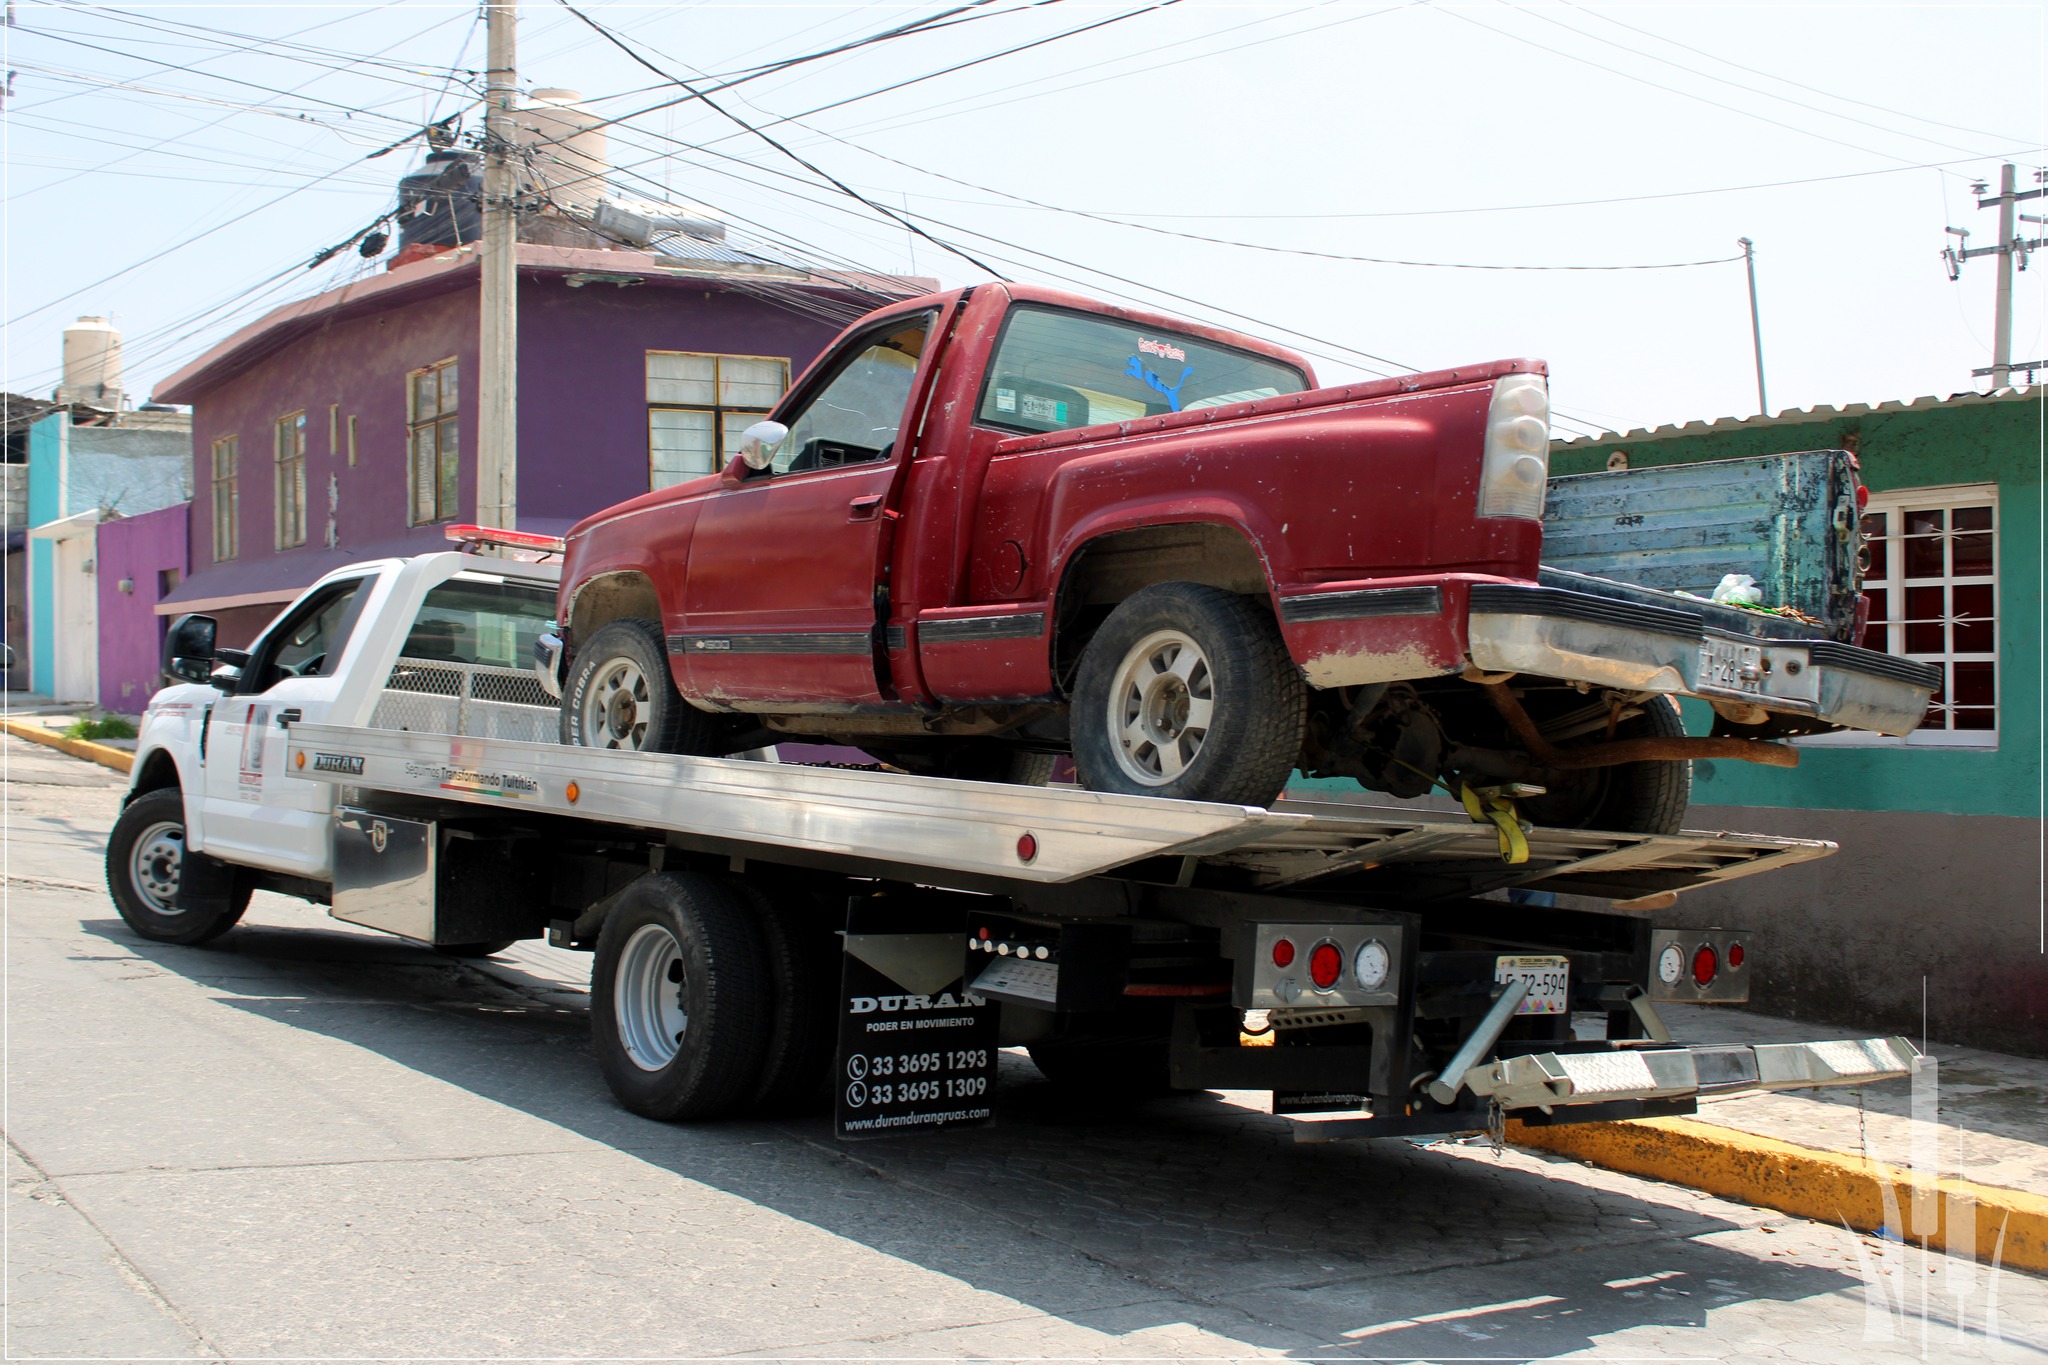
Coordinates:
972	833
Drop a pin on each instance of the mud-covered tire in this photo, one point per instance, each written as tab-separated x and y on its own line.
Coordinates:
1630	798
680	998
145	859
621	695
1136	717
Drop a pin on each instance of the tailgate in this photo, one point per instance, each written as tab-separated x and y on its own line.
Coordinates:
1788	521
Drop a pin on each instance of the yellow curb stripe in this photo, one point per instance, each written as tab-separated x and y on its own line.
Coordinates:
1829	1187
120	760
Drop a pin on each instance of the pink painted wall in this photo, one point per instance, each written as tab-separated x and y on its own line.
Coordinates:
142	550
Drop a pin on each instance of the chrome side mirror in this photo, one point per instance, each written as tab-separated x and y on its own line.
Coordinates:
759	441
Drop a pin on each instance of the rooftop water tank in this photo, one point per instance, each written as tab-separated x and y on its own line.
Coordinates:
92	364
567	152
441	203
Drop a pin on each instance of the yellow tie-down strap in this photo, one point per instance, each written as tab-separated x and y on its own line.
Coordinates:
1488	806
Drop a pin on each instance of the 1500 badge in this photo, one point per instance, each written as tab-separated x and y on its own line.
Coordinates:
351	764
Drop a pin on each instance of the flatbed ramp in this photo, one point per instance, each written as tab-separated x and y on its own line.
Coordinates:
975	830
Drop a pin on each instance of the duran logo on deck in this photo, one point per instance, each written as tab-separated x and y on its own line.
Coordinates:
351	764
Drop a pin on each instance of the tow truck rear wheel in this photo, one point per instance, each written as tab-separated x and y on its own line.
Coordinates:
681	999
803	970
145	861
621	696
1188	691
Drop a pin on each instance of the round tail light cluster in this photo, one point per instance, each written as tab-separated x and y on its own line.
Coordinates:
1325	965
1705	965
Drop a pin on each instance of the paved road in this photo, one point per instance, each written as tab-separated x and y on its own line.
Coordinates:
309	1141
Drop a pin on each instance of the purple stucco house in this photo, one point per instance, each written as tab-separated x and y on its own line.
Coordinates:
341	427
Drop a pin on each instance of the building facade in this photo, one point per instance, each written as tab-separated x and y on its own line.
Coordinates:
87	467
342	427
1935	898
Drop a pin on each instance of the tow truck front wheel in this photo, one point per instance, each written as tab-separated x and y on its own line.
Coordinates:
1188	691
680	998
145	862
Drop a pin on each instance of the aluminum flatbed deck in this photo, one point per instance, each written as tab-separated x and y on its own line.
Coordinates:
976	831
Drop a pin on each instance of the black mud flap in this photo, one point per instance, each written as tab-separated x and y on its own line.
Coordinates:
917	1049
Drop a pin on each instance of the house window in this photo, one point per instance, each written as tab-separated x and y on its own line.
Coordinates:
1933	588
227	498
291	481
431	399
699	405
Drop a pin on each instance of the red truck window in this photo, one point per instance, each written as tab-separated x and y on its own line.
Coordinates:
854	418
1054	370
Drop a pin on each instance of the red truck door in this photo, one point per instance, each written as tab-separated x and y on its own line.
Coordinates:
779	599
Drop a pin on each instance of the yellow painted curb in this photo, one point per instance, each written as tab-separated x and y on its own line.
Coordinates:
1830	1187
120	760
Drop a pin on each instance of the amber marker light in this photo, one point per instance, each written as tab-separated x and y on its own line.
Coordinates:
300	758
572	791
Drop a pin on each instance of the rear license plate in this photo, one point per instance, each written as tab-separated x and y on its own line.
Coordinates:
1549	978
1728	666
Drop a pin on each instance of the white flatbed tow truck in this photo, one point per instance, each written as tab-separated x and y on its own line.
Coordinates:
775	937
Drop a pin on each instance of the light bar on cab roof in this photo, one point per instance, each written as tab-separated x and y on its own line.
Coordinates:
469	535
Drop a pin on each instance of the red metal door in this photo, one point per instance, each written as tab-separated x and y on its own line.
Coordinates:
780	596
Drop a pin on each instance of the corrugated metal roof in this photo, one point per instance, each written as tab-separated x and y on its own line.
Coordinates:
1821	413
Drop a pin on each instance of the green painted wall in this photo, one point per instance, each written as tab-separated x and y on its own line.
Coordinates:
1983	441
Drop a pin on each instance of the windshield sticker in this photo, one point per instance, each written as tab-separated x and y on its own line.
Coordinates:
1165	350
1171	393
1006	400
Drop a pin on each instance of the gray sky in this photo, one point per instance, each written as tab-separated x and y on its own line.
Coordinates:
1465	134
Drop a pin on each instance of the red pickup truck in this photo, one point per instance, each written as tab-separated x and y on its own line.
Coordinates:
996	525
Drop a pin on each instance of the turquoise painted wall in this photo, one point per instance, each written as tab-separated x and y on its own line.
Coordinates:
1983	441
45	505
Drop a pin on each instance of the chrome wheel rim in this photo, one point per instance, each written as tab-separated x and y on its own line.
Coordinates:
617	707
154	863
1160	707
649	1000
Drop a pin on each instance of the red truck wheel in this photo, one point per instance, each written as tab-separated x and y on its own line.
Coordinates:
621	696
1188	691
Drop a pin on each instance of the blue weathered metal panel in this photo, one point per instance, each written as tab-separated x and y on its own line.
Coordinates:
1788	521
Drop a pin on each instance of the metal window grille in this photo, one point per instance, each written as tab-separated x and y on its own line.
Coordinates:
1933	589
434	696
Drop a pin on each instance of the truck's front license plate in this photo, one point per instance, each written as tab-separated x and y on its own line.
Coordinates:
1549	978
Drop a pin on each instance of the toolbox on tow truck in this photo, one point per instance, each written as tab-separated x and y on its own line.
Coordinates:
770	933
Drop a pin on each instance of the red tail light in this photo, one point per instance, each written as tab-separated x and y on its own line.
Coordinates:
1283	952
1735	954
1325	965
1704	965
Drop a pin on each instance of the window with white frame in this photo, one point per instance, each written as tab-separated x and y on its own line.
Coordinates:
698	405
1933	589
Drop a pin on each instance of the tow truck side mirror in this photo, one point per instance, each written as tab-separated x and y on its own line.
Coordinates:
189	650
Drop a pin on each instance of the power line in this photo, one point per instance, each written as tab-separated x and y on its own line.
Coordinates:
836	183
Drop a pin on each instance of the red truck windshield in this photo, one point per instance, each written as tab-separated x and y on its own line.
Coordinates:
1054	370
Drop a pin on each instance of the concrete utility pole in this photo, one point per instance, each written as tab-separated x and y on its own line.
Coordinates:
497	389
1756	327
2010	251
